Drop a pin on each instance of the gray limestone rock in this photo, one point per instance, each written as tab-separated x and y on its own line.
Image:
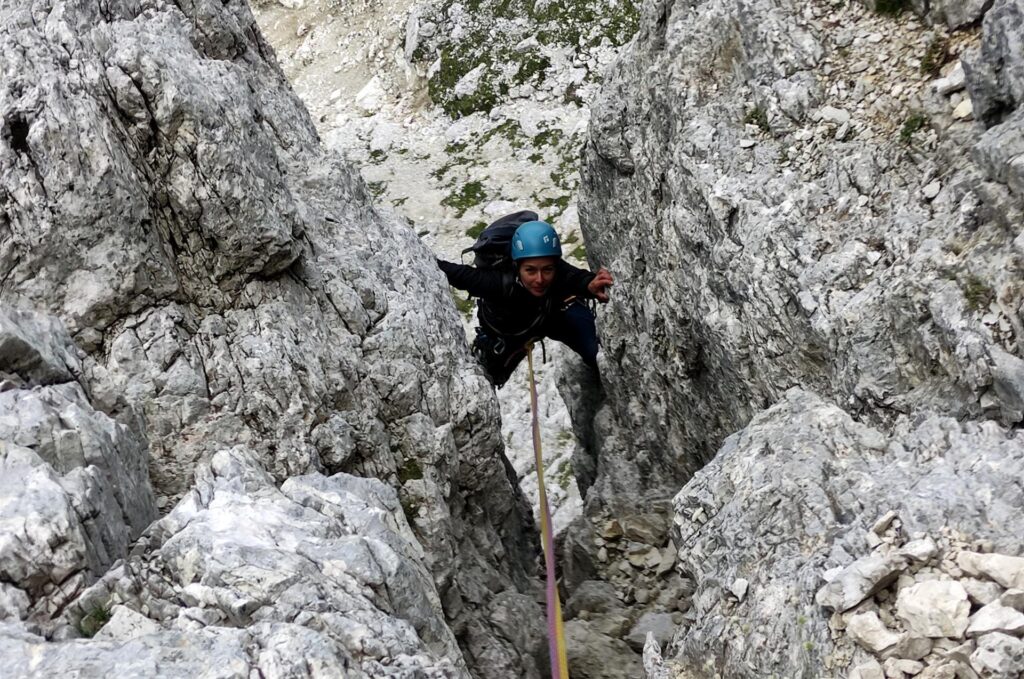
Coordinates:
871	633
934	609
803	482
326	566
807	260
660	625
596	596
860	580
593	655
35	349
995	70
811	326
1004	569
995	617
230	284
958	13
74	487
999	656
1014	598
981	592
868	670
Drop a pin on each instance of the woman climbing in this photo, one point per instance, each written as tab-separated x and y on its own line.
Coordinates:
527	292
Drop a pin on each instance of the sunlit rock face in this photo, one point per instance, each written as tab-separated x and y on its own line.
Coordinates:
236	311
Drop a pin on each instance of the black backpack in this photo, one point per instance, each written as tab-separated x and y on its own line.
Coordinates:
493	247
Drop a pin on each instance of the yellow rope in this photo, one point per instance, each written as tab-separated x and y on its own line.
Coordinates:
556	631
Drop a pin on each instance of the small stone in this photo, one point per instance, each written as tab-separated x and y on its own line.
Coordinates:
897	668
954	82
1008	571
964	111
649	529
860	580
981	592
831	114
612	530
883	523
370	99
668	560
944	646
661	625
943	671
642	596
932	190
1013	598
868	631
996	618
921	551
602	555
937	608
747	143
640	555
739	588
869	670
913	647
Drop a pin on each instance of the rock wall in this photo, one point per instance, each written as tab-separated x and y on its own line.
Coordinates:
790	195
245	317
813	211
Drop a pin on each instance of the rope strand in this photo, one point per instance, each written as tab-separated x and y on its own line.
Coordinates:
556	632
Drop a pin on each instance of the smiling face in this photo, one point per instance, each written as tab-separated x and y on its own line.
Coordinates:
537	274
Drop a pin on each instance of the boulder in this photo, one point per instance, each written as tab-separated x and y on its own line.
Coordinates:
999	656
1006	570
995	617
935	608
871	633
860	580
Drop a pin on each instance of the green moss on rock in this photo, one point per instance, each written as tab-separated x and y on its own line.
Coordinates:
471	194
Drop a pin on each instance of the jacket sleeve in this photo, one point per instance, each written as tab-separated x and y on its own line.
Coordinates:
574	280
477	282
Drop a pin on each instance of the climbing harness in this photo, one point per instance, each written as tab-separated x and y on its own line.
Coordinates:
556	632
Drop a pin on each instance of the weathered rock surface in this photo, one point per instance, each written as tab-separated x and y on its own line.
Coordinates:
999	657
321	564
593	655
1008	571
934	609
166	197
793	495
74	487
859	580
819	250
812	256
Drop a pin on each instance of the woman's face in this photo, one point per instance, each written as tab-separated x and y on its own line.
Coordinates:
537	274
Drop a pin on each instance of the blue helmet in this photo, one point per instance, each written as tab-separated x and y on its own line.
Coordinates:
535	239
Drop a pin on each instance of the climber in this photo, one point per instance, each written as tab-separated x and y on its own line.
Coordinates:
538	295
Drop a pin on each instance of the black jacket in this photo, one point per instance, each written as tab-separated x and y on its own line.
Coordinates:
506	307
